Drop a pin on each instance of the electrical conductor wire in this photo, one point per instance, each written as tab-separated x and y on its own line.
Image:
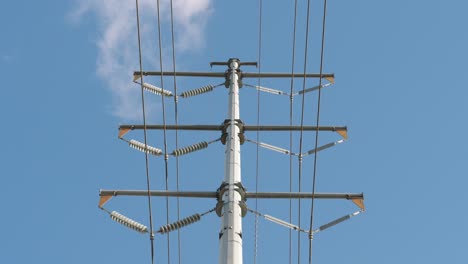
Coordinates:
151	233
318	122
164	127
176	120
291	101
302	126
257	170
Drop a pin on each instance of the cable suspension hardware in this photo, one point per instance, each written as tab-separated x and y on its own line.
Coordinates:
144	148
156	90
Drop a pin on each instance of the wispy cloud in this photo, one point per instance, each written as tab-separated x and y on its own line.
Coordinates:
117	41
7	58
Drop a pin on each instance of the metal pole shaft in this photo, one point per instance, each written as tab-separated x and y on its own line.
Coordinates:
230	243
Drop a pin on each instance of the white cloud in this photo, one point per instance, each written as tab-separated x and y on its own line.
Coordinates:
117	41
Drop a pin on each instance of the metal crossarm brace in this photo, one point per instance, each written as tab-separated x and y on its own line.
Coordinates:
342	130
330	76
246	127
252	195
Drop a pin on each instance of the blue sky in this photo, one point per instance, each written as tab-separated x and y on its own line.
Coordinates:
400	88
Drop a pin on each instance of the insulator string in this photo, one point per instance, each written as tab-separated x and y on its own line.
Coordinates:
179	224
183	222
266	89
190	149
148	185
335	222
155	90
198	91
271	147
132	224
201	90
143	147
278	221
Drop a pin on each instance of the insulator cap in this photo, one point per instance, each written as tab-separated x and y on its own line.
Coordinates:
144	148
128	222
189	149
179	224
201	90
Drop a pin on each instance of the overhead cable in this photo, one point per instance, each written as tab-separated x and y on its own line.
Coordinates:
291	104
176	120
163	106
148	185
257	155
322	48
301	137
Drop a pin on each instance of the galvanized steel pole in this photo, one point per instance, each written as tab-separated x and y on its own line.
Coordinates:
230	241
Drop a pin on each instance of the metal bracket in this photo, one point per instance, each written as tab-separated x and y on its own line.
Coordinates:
224	134
219	197
228	72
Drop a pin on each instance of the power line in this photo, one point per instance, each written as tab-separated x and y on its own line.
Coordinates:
164	126
306	46
151	234
260	11
317	125
291	101
176	120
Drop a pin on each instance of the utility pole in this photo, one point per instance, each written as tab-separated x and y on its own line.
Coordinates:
231	196
230	243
